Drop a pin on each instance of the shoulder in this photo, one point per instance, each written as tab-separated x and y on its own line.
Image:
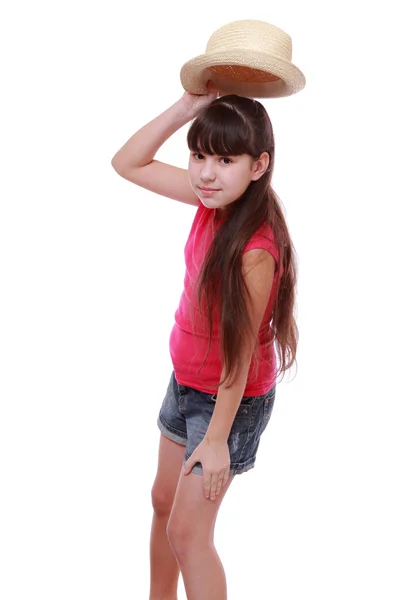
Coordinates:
258	267
263	239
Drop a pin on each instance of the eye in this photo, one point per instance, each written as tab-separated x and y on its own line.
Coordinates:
197	155
225	158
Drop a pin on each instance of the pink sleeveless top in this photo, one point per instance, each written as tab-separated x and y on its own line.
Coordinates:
188	344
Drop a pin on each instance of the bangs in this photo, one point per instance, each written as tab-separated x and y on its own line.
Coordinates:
219	130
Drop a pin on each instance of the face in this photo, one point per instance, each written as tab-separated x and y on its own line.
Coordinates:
220	180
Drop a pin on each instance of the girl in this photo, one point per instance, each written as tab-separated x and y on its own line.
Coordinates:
236	307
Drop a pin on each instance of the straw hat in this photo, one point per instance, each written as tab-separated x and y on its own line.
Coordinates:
249	58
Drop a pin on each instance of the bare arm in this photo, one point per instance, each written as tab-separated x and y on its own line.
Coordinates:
258	271
135	159
213	451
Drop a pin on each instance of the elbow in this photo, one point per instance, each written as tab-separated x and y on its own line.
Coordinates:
116	164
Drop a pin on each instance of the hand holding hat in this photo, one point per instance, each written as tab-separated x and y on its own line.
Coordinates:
194	103
249	58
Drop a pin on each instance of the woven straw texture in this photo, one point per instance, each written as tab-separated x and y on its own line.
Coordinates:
249	58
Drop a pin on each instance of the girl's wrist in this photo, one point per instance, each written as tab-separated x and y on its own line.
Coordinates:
186	111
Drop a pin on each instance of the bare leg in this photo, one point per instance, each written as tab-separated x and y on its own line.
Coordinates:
191	534
163	565
164	569
203	573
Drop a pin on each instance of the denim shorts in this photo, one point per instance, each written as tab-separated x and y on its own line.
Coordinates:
186	413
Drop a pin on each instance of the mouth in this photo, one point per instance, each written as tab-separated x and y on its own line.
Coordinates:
207	190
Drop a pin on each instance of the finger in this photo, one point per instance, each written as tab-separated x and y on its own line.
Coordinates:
219	485
226	477
206	484
188	466
214	485
212	89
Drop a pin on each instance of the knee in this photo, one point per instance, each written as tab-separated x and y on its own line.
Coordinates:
182	535
161	501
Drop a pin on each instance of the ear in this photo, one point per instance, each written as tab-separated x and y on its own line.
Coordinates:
260	166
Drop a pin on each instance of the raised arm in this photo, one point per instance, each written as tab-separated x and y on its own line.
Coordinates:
135	160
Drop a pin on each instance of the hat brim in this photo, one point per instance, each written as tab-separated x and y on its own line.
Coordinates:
196	72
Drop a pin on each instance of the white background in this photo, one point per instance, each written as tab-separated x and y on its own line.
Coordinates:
92	270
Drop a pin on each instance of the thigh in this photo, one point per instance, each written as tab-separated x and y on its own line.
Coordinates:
193	516
170	461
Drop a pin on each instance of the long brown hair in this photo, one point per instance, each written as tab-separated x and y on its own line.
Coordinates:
230	126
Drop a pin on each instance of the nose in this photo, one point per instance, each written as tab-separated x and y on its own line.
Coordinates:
207	171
